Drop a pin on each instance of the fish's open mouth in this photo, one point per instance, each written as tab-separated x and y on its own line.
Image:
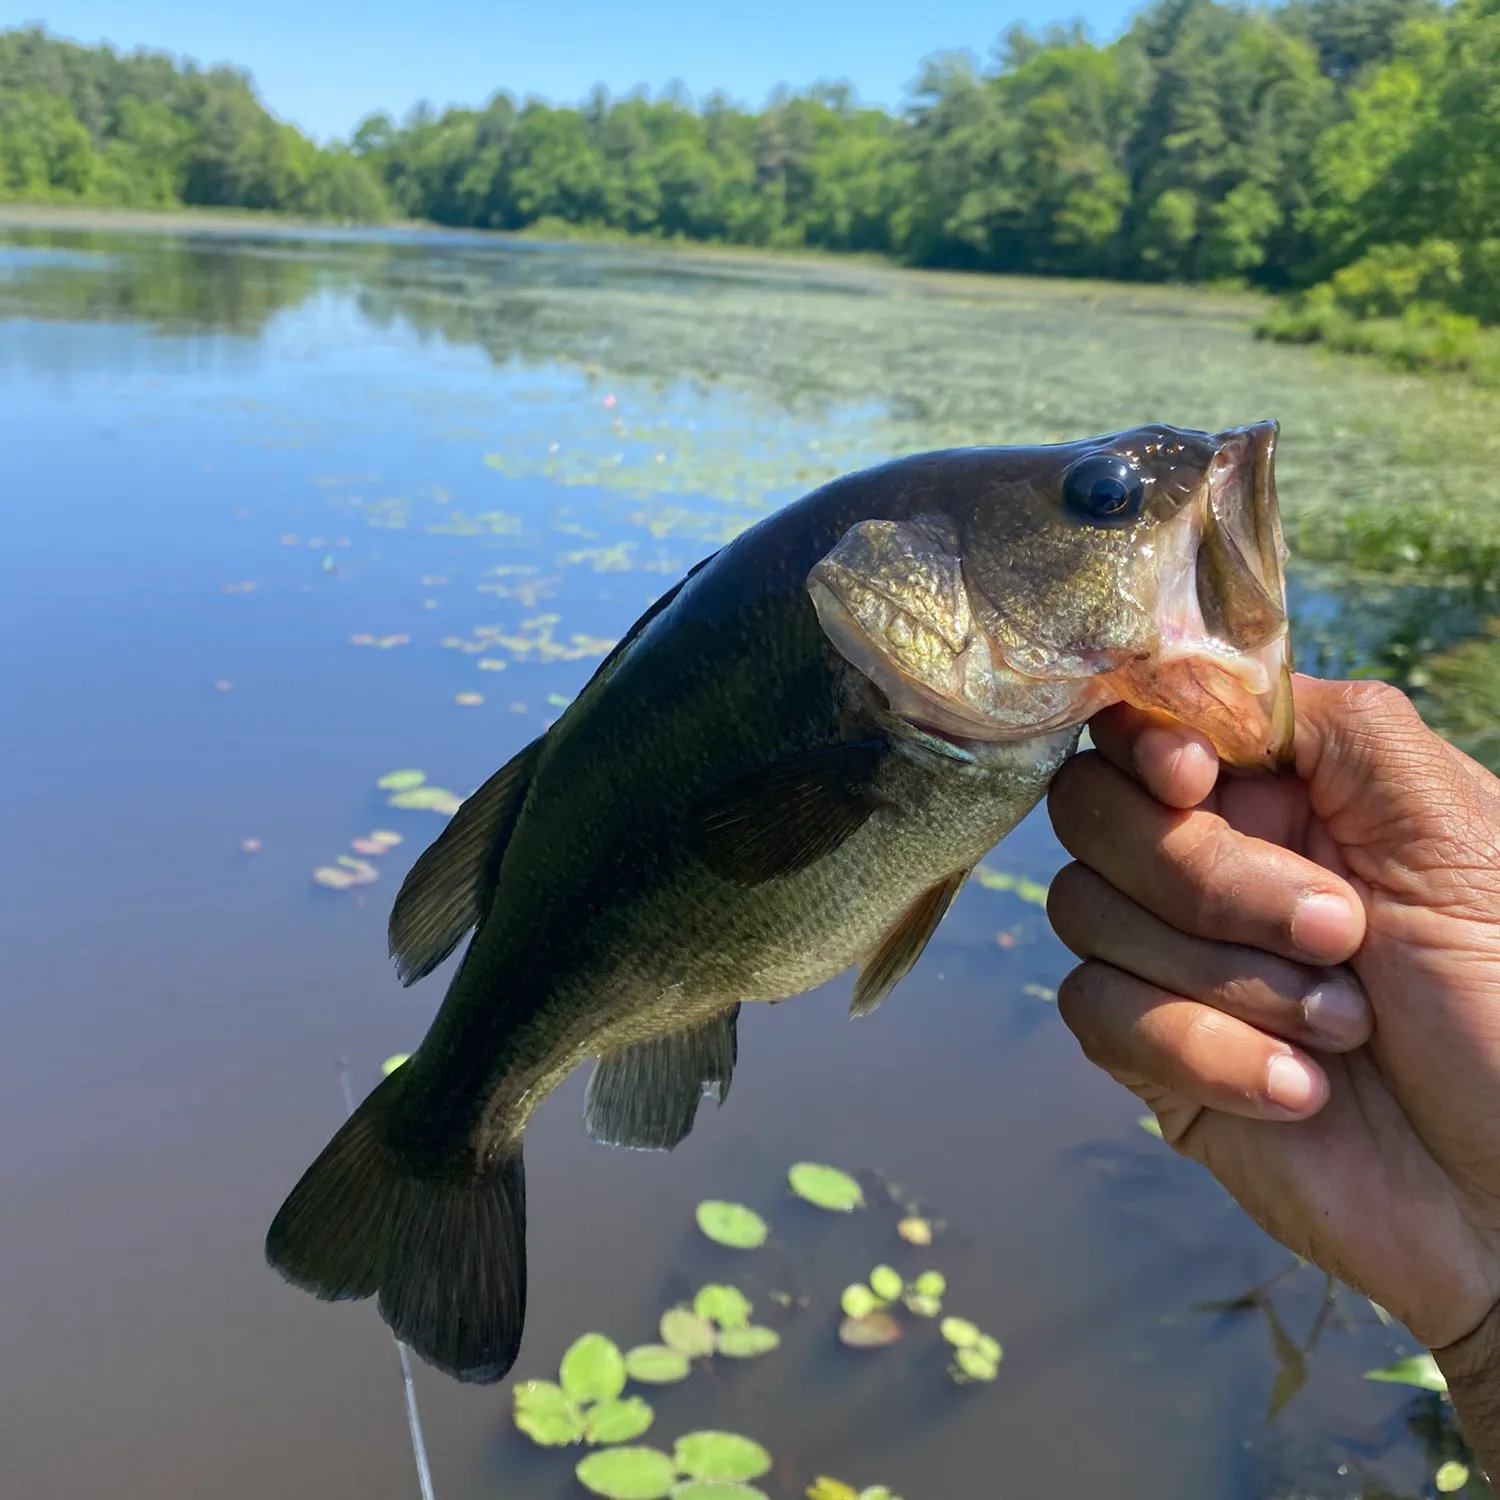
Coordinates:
1224	663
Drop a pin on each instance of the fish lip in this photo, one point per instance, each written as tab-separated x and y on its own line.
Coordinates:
1229	671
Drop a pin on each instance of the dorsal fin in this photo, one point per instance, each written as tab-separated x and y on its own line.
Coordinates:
450	887
773	822
902	946
646	1096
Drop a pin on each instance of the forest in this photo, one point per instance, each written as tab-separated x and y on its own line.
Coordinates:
1345	151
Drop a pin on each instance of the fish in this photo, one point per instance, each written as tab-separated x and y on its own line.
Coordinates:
786	769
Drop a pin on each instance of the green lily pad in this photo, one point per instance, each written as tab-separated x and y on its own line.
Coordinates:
974	1365
593	1369
1151	1125
915	1231
731	1224
683	1330
923	1307
826	1187
656	1364
716	1489
617	1421
727	1306
720	1456
394	1061
859	1301
824	1488
886	1283
748	1342
426	799
628	1474
931	1284
873	1331
547	1414
959	1332
988	1348
401	781
1420	1370
1450	1477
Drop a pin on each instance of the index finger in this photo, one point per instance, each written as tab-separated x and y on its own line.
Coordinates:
1177	765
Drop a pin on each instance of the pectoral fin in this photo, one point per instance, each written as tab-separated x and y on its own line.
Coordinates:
773	822
452	885
902	946
646	1096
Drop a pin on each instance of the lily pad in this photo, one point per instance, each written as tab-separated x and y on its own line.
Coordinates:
731	1224
974	1365
931	1284
859	1301
469	700
989	1348
1450	1477
1151	1125
656	1364
1420	1370
873	1331
593	1369
546	1414
721	1456
824	1488
959	1332
716	1489
748	1342
401	781
334	878
915	1231
826	1187
886	1283
617	1421
426	799
361	871
628	1474
727	1306
366	846
386	838
394	1061
923	1307
683	1330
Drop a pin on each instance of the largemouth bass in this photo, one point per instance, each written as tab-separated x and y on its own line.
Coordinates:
786	769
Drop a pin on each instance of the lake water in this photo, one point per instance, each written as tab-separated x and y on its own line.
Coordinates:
272	505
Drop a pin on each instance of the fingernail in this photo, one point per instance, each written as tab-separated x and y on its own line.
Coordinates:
1290	1083
1338	1010
1323	926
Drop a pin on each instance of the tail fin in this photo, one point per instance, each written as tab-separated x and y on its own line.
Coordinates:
445	1255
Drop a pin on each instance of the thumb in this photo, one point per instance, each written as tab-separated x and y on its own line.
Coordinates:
1411	814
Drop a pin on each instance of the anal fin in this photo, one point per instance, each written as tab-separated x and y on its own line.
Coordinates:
902	946
646	1096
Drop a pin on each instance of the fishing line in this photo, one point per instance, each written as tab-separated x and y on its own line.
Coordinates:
413	1417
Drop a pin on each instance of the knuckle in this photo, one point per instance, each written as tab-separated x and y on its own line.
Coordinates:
1203	859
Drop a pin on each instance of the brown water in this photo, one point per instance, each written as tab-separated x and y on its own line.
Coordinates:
182	418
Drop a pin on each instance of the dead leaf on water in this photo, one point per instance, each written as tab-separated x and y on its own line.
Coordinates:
873	1331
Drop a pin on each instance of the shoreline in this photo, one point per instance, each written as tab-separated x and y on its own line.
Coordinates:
1246	302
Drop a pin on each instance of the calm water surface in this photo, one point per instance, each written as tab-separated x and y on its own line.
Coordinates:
224	462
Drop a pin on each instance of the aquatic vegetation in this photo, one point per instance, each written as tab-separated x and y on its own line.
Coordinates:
824	1488
732	1224
1419	1370
394	1061
1031	891
1450	1477
826	1187
976	1356
401	781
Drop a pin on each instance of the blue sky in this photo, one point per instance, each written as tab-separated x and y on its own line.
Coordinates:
324	64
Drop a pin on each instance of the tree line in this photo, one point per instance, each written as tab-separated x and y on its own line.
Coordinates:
1347	145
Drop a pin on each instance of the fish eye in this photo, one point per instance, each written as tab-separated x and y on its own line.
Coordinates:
1103	488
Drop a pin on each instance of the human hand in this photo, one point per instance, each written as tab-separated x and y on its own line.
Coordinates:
1214	917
